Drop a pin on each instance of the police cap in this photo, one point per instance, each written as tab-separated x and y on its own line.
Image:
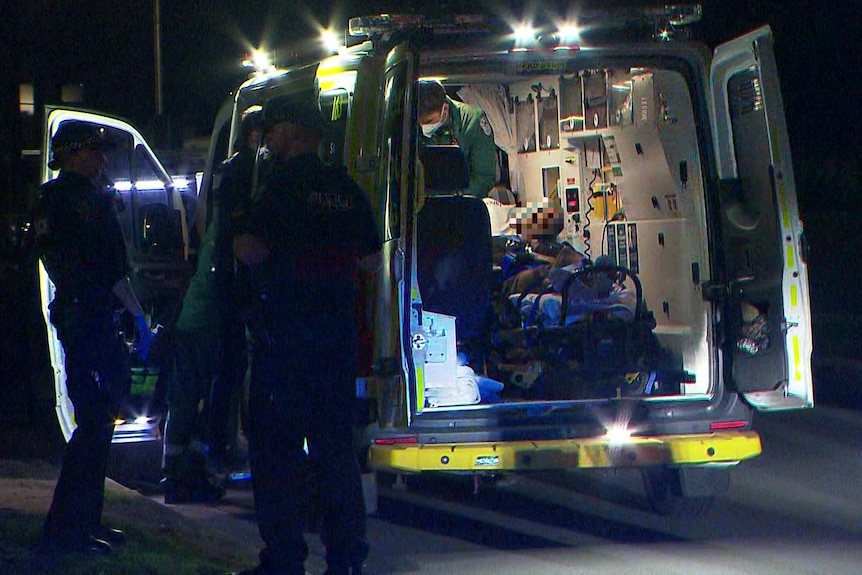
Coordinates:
72	137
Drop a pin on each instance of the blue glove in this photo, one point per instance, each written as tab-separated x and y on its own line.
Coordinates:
143	337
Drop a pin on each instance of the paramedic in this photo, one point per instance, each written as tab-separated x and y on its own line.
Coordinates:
236	185
308	232
80	242
447	121
211	354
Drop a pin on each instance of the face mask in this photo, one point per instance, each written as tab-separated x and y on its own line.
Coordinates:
429	129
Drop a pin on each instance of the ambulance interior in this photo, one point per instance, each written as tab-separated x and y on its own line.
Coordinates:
617	148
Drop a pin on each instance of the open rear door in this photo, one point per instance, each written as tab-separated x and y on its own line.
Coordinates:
153	220
219	150
769	311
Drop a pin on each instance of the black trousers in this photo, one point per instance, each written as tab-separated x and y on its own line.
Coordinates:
192	378
97	381
303	387
226	394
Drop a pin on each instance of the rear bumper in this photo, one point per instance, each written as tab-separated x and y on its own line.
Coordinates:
694	449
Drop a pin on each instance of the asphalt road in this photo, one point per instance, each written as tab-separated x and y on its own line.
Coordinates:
795	509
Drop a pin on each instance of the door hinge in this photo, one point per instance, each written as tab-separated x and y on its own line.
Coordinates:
714	291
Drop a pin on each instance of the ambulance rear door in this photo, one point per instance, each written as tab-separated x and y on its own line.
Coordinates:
219	150
765	283
396	180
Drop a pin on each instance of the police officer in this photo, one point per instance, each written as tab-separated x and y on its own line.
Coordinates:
447	121
78	237
309	231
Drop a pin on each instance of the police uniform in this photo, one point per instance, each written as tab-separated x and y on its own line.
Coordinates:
469	128
79	239
317	224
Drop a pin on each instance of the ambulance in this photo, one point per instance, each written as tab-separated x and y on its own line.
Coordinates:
670	164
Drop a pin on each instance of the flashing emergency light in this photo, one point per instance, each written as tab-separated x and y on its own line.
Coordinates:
618	428
259	61
331	42
618	434
567	33
525	35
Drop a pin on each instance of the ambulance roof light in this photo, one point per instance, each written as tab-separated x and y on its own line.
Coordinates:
667	19
384	24
259	61
331	42
683	14
525	35
677	17
568	32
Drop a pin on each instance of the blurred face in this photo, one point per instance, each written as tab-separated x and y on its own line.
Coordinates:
285	141
89	162
540	224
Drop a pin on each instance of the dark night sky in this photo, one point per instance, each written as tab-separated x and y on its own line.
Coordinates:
108	45
111	43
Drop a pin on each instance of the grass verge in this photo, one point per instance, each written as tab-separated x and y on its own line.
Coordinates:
161	541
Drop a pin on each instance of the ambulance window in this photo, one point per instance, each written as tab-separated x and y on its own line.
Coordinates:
119	172
119	158
148	189
148	182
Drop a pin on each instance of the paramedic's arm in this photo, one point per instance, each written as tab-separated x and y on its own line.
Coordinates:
419	200
483	158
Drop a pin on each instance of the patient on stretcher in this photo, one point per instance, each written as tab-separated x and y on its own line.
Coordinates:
537	269
592	292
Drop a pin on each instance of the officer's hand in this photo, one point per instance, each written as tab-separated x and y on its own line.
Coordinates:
250	250
143	337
